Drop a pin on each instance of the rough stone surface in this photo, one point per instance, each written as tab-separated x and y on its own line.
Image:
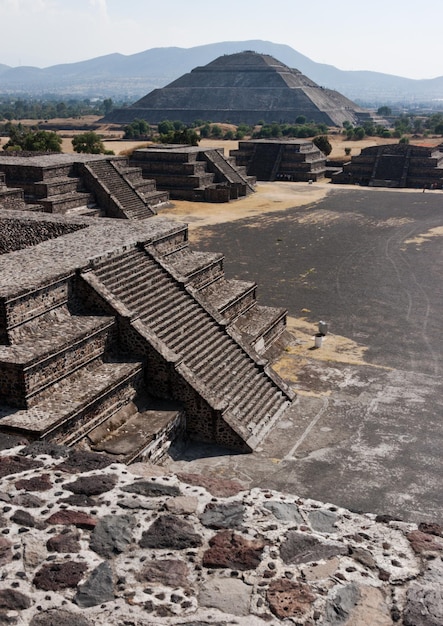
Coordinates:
56	576
228	549
289	599
170	532
169	572
13	599
229	595
59	618
97	589
112	535
223	515
284	511
92	485
158	564
304	548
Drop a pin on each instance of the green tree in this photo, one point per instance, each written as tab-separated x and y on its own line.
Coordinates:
323	144
31	140
137	129
165	127
89	142
216	130
384	110
108	105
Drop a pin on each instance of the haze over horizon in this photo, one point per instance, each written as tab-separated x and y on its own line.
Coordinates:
399	37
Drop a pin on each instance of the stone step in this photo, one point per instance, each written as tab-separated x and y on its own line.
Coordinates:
62	202
230	297
149	307
139	432
133	277
198	268
54	350
184	335
260	326
165	325
186	328
78	403
235	367
207	353
109	268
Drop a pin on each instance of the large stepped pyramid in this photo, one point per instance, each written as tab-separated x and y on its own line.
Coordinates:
105	345
244	87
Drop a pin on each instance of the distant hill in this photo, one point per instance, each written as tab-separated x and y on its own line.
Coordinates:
132	76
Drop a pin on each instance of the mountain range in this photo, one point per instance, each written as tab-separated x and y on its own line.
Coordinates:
130	77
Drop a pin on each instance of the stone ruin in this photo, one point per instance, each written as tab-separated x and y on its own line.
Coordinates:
276	159
193	173
245	87
395	165
116	186
116	337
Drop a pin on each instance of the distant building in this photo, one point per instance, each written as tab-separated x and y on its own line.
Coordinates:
246	87
395	165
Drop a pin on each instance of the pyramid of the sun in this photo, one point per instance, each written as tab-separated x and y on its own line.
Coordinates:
246	87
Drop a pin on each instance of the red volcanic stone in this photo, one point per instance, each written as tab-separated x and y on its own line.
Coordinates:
431	529
37	483
55	576
5	551
76	518
65	542
227	549
289	599
17	464
422	542
218	487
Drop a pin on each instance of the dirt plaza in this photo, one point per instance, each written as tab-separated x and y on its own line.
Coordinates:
365	431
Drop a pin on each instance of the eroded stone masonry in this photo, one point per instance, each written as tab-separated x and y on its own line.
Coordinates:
116	336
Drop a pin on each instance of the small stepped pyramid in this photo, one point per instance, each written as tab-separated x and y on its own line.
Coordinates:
126	199
64	378
219	369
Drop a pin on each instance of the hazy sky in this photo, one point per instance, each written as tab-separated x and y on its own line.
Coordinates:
402	37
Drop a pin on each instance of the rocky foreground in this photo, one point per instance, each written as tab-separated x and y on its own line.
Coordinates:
86	541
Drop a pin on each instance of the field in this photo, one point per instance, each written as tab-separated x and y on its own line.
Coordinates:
113	138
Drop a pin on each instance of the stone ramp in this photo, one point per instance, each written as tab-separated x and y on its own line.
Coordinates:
220	369
125	197
241	185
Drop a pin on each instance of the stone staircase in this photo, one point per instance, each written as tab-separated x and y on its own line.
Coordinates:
240	185
240	390
234	301
64	375
125	200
